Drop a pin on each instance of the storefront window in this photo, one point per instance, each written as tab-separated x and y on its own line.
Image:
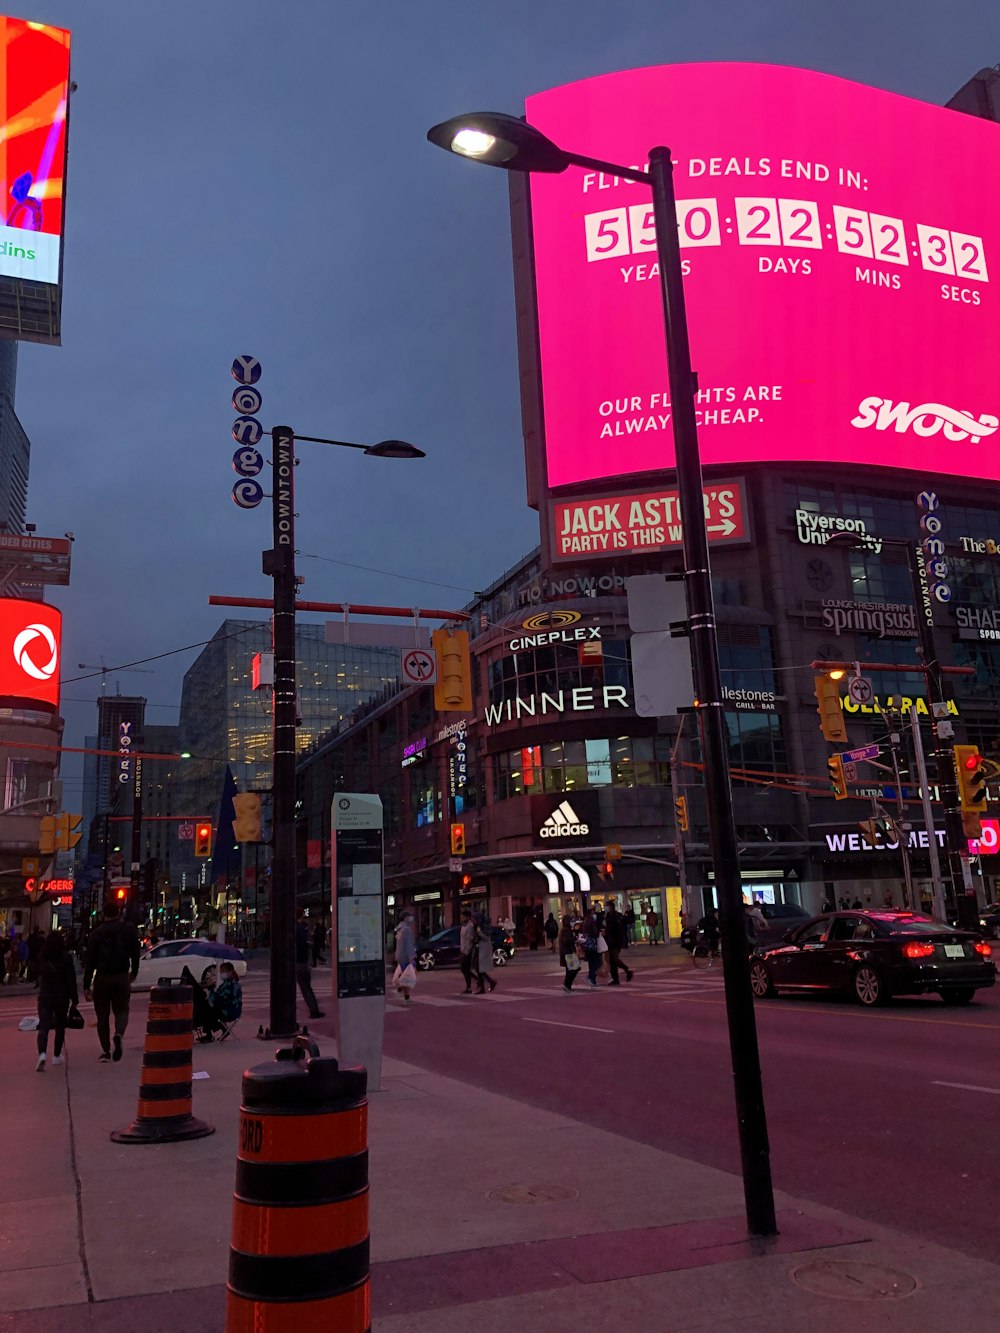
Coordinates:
623	761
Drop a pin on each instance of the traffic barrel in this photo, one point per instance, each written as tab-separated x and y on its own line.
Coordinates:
299	1260
164	1113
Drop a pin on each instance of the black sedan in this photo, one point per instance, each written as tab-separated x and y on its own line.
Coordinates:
990	921
779	919
442	949
874	956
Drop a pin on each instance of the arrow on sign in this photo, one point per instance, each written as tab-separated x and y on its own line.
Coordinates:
419	666
727	527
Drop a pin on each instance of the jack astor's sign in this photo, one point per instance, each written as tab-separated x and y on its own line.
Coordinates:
886	620
643	521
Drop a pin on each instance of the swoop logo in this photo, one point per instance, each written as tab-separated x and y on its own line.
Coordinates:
925	419
30	634
563	823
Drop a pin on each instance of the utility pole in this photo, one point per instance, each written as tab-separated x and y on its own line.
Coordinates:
279	563
893	723
937	886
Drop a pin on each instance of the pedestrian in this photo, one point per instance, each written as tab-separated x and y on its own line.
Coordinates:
856	905
531	931
652	925
844	904
830	903
887	900
467	947
614	933
589	940
569	959
484	949
711	930
319	941
303	975
551	932
405	976
56	992
110	966
628	917
756	923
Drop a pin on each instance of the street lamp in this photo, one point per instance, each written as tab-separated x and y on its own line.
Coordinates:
511	143
279	563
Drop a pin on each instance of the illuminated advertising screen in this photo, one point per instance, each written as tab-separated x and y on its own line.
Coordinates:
30	638
838	244
34	64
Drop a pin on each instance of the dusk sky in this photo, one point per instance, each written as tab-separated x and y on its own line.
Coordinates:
254	178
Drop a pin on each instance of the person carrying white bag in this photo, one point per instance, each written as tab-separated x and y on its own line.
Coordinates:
405	976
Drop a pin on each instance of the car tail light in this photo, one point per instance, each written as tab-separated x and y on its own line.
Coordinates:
982	947
916	949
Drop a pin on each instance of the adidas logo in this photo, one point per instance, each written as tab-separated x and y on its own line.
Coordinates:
563	822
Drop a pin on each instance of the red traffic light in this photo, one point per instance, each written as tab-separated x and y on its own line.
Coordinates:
973	761
121	894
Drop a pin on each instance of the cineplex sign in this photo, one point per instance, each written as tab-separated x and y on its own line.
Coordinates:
847	233
643	521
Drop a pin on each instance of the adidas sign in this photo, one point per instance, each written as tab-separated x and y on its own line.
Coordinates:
563	823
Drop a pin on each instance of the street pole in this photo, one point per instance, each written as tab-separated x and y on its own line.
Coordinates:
904	832
955	839
723	842
279	563
937	887
132	907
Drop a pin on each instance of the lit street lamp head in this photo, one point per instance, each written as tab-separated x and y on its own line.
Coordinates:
394	449
499	141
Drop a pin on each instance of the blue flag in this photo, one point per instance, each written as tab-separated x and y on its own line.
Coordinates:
225	853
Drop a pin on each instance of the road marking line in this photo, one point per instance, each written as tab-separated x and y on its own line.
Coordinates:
779	1006
967	1087
578	1027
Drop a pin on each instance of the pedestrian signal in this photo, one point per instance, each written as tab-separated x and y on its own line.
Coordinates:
246	825
453	691
608	869
681	813
838	779
121	895
458	839
831	714
203	839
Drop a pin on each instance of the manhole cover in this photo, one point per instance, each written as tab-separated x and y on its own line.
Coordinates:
534	1194
853	1281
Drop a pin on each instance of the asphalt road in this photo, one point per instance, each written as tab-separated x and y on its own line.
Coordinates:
891	1114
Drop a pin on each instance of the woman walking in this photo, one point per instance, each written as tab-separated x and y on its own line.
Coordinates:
484	961
568	957
56	992
588	938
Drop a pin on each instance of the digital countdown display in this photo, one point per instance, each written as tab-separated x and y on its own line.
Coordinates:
30	638
34	89
838	244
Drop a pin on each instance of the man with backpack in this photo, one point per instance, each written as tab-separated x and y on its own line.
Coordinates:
110	965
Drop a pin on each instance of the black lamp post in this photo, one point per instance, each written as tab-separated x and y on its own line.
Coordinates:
508	142
279	563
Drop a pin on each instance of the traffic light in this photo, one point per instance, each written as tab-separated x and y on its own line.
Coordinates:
67	832
203	839
121	895
971	772
681	813
831	715
453	691
838	778
608	870
47	835
246	825
466	881
458	839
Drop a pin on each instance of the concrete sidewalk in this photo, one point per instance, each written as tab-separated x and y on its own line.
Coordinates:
486	1214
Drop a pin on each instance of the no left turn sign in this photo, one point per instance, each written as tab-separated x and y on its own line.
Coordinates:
419	666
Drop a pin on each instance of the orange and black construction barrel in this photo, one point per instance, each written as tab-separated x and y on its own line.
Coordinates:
299	1256
164	1114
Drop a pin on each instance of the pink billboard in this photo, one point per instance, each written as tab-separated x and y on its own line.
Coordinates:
836	245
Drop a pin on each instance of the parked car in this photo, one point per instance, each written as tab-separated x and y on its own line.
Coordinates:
442	949
874	956
780	918
990	921
168	960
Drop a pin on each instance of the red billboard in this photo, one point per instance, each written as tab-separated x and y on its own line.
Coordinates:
642	522
836	244
34	92
30	638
